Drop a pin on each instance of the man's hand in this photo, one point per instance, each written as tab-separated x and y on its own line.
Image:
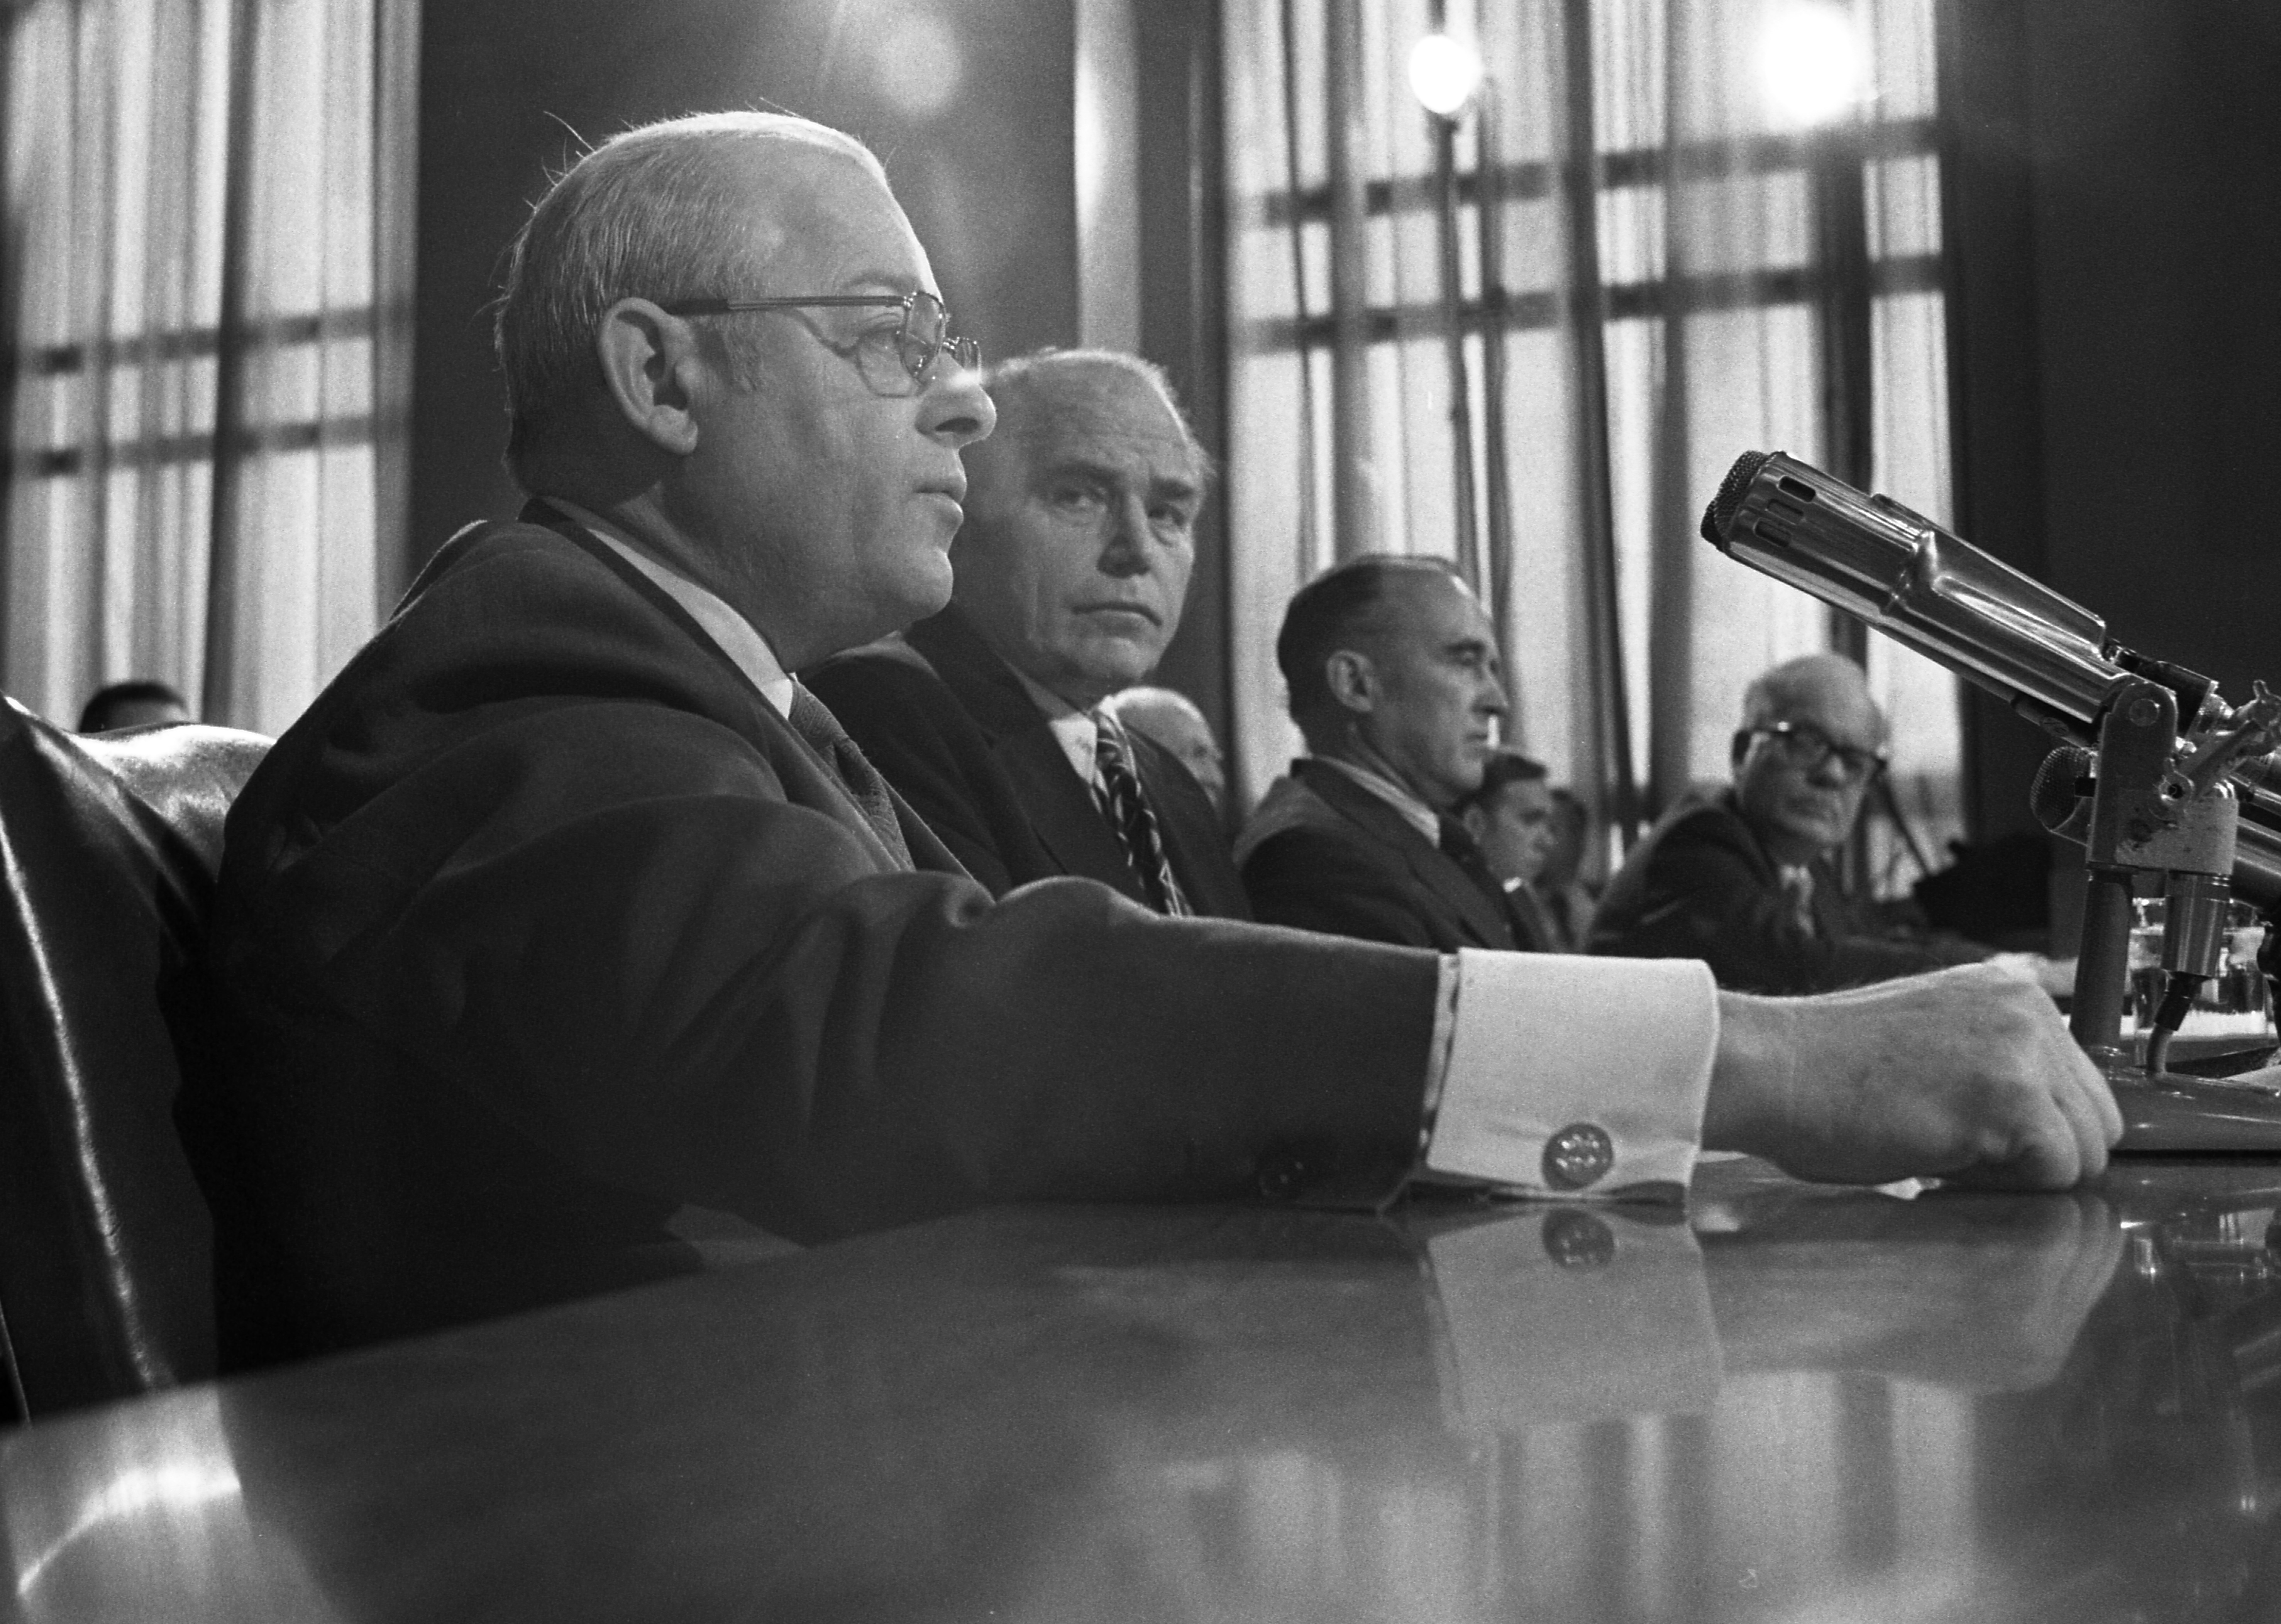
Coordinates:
1966	1074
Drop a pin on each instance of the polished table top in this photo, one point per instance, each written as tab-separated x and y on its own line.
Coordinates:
1799	1404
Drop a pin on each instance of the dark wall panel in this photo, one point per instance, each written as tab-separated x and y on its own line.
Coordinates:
2159	167
2115	176
511	89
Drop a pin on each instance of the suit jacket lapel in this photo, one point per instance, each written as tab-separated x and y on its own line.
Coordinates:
1058	804
1483	917
832	796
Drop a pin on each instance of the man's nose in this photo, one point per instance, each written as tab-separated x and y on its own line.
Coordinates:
955	409
1125	551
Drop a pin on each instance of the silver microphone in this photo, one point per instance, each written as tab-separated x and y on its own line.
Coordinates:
2046	656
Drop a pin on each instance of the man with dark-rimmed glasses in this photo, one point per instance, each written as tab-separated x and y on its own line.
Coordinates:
567	940
1743	877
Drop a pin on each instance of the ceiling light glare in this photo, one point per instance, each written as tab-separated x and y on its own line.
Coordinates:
1813	62
920	66
1444	73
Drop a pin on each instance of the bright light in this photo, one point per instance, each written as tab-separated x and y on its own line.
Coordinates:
1811	61
919	63
1444	73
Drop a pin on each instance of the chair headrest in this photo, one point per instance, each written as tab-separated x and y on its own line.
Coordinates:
184	774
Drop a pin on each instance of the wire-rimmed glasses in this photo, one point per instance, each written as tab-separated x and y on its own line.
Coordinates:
899	360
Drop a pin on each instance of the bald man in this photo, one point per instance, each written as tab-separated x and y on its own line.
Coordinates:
1743	877
1068	575
1172	720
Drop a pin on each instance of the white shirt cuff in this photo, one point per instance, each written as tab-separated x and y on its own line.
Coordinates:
1563	1076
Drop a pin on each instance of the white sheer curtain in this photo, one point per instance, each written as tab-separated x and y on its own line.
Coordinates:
208	283
1685	327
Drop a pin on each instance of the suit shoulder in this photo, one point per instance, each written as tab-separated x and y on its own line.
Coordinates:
887	688
1289	808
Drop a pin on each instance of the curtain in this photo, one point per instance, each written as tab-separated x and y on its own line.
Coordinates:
207	277
1643	271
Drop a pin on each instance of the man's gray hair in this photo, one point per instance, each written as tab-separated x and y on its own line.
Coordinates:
657	213
1016	385
1776	693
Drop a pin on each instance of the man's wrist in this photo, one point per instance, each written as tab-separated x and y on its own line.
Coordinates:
1753	1075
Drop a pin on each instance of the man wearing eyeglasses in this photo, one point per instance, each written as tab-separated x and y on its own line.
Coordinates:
1743	878
566	939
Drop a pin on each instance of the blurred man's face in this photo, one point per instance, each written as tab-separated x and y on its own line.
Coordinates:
1075	560
143	713
1515	829
1800	780
1188	736
825	508
1434	699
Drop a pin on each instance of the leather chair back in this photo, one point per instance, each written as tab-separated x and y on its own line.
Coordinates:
109	846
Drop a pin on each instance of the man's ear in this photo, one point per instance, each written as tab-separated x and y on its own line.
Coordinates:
1475	818
652	368
1739	749
1351	680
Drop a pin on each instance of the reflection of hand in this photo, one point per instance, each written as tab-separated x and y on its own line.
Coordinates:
1966	1290
1966	1073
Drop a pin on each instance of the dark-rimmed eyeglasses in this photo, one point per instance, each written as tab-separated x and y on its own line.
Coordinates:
1806	747
899	360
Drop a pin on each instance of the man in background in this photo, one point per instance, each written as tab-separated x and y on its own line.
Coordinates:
1569	903
1744	877
137	702
1172	720
1068	575
1510	818
1391	667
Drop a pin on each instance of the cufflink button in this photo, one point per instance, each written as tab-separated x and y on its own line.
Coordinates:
1579	1241
1578	1156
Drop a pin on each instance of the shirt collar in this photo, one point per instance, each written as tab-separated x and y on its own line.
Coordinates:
1420	816
737	637
1073	730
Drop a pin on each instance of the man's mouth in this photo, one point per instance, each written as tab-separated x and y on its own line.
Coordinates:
1139	609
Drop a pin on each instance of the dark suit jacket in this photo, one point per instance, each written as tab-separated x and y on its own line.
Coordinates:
542	923
948	722
1324	854
1701	886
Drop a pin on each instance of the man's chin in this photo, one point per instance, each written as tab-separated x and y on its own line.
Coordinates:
1825	834
927	586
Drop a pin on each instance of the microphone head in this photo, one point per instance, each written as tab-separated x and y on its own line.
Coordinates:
1720	513
2057	798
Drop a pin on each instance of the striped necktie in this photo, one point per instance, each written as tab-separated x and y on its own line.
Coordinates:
1126	806
820	730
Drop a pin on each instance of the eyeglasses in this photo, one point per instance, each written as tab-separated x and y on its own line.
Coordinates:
1806	747
897	360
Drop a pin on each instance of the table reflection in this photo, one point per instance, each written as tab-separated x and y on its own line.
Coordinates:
1803	1404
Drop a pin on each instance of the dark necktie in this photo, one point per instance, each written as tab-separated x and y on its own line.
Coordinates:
821	731
1532	927
1459	846
1133	818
